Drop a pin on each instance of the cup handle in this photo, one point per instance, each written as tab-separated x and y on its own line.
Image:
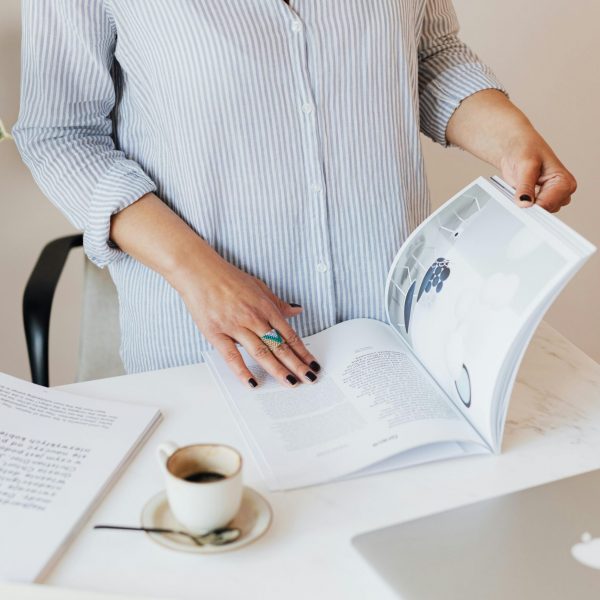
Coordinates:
163	452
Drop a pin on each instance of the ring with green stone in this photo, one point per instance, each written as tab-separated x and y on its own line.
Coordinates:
272	339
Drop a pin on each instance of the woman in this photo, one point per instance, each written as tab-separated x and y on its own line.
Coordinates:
240	163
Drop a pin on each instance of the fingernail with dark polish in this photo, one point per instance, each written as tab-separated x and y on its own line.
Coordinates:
252	382
294	305
525	197
311	376
292	379
315	366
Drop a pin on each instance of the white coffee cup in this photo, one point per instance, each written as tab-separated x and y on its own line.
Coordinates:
207	505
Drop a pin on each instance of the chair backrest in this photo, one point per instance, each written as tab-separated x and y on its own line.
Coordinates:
100	332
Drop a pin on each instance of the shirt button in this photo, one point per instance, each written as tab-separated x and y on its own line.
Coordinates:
296	26
307	107
315	188
322	267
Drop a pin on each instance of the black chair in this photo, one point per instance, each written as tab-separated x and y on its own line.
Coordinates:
99	338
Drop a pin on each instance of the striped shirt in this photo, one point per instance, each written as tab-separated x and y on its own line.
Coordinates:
285	134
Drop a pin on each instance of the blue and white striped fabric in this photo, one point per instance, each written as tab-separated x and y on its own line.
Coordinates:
287	136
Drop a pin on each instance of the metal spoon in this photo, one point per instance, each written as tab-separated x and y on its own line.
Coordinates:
218	537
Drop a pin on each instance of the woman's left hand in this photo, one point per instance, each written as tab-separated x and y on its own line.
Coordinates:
488	125
529	162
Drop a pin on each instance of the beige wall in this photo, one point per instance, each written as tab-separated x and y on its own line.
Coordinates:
545	51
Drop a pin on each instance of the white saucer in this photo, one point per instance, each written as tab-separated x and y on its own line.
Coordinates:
253	520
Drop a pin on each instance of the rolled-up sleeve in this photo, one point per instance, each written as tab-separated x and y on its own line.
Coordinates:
64	131
449	71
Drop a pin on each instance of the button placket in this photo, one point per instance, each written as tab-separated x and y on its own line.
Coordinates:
314	165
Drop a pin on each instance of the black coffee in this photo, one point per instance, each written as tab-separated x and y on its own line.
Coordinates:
204	477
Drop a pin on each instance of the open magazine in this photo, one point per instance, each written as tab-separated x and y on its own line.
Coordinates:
59	454
464	296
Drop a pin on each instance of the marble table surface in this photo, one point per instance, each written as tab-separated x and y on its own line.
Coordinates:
552	431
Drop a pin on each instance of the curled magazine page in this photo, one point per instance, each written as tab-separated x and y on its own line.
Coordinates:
465	284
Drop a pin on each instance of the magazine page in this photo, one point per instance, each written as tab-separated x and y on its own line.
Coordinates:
58	452
507	379
372	400
464	285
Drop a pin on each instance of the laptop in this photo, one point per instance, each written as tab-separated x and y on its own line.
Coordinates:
540	543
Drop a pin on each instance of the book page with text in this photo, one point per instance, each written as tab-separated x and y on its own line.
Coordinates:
58	451
372	400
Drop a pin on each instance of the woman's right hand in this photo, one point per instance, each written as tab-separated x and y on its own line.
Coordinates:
227	304
230	306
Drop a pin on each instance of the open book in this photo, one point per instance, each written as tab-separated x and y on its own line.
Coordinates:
464	295
58	453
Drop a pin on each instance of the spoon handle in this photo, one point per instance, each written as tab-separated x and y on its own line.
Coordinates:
147	529
218	537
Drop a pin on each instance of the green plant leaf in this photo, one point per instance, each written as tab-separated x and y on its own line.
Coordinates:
4	135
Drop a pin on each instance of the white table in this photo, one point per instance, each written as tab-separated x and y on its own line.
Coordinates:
553	431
